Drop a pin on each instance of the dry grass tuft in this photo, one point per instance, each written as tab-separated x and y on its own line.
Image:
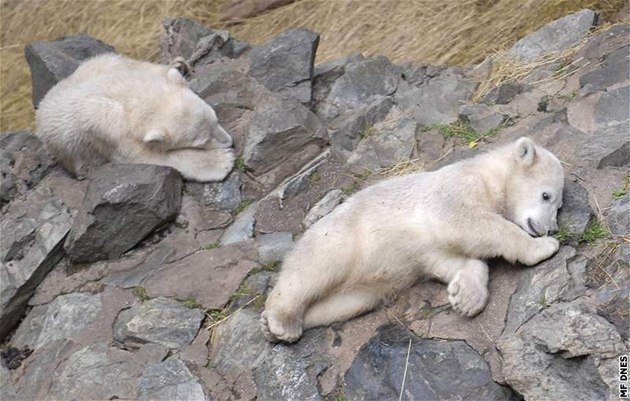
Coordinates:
439	32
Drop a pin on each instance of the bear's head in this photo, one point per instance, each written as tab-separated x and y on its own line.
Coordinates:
534	188
184	120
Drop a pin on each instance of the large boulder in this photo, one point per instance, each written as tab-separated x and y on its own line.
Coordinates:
124	203
50	62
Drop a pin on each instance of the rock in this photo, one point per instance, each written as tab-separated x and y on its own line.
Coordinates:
482	118
243	227
196	43
50	62
575	213
63	318
285	63
126	202
556	36
273	247
160	321
386	144
225	195
238	344
612	300
23	163
435	101
209	277
436	370
101	372
325	75
31	244
170	380
614	69
567	337
361	83
323	207
619	216
560	278
503	94
237	10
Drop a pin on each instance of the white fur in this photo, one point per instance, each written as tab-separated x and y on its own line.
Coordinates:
441	224
116	109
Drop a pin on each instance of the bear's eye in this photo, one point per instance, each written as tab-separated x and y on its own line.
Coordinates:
545	196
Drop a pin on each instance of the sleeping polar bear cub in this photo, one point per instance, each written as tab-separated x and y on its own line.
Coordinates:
116	109
440	224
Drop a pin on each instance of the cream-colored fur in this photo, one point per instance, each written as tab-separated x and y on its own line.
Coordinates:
441	224
116	109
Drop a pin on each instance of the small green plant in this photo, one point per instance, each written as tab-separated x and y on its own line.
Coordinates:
140	293
559	70
365	174
563	235
245	203
543	301
239	164
315	178
213	245
350	189
259	301
593	232
216	314
271	265
242	291
619	193
367	132
210	364
462	130
570	96
191	303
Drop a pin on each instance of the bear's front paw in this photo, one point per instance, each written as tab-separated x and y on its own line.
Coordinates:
275	330
467	294
543	248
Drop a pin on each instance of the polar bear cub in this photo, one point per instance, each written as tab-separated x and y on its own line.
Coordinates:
113	108
440	224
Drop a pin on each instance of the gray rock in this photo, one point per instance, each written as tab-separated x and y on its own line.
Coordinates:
567	337
33	230
66	316
274	246
436	370
225	195
210	277
361	83
556	36
387	143
436	100
196	43
575	213
238	344
160	321
482	118
243	227
612	299
50	62
101	372
285	63
170	380
285	376
326	205
23	163
560	278
619	216
503	94
126	202
278	131
614	69
7	391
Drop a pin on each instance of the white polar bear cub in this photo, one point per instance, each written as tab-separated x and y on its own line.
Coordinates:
440	224
116	109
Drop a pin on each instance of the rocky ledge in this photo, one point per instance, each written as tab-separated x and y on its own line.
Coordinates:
132	284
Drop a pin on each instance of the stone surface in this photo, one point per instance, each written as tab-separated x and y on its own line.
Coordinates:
242	228
225	195
285	63
482	118
323	207
619	216
556	36
126	202
436	370
160	321
170	380
273	247
23	163
50	62
615	69
33	230
575	213
63	318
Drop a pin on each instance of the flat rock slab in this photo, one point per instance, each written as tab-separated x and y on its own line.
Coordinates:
436	370
50	62
210	276
160	321
33	230
170	380
125	202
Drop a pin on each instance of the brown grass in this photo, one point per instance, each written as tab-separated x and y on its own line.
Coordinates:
441	32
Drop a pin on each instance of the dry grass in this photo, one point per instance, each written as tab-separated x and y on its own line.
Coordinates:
441	32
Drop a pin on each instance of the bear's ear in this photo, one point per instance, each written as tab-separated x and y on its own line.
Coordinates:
178	70
154	136
525	151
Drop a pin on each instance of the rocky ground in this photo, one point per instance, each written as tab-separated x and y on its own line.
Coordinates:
133	284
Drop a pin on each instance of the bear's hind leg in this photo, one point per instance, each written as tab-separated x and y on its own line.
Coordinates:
468	290
341	306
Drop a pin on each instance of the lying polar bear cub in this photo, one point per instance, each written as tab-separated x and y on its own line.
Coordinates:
440	224
116	109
